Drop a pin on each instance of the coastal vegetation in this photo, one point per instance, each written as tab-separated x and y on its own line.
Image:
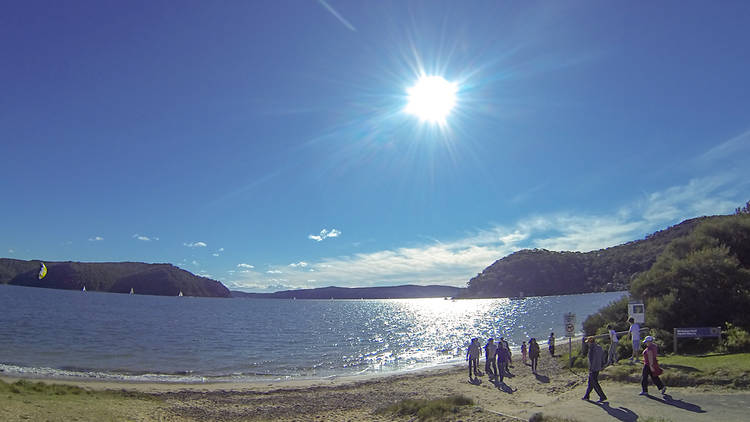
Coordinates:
702	279
426	410
114	277
540	272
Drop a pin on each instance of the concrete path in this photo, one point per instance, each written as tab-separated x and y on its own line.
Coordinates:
624	404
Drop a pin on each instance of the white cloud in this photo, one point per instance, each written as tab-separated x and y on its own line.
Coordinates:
274	272
301	264
215	254
221	249
243	265
96	239
324	234
195	244
195	263
454	262
144	238
11	251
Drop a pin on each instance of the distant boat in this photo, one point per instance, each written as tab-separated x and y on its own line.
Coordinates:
42	271
84	289
132	292
180	293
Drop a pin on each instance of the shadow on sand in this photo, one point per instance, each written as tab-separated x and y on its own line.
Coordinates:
475	381
620	413
504	387
690	407
542	378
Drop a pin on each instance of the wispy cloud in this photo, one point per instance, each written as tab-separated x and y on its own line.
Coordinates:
196	263
243	265
96	239
144	238
11	251
453	262
195	244
337	15
324	234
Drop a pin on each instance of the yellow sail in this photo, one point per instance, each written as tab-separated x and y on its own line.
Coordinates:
42	271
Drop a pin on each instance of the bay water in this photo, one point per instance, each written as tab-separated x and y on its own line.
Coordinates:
72	334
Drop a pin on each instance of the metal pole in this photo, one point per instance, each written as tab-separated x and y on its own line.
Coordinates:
570	352
675	340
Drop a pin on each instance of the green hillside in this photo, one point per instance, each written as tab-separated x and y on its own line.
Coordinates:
115	277
540	272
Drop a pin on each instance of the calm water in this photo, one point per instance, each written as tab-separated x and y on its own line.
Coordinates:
63	333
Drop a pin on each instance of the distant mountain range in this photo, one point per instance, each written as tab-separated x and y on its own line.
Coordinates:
114	277
536	272
390	292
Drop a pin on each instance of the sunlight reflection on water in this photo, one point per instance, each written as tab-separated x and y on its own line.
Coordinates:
134	336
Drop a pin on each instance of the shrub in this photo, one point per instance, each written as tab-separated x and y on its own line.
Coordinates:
737	339
429	409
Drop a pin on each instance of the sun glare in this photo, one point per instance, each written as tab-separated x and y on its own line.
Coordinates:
432	98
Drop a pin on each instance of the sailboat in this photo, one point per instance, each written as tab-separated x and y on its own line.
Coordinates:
84	289
42	271
131	291
180	293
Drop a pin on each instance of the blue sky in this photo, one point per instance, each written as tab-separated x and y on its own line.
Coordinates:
265	144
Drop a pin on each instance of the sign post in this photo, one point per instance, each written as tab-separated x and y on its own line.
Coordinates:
569	320
696	332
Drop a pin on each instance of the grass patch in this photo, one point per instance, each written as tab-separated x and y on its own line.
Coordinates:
429	409
731	370
42	389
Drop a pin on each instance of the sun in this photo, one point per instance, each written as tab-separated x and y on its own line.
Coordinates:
432	98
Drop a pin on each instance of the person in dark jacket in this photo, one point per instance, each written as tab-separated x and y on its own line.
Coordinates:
502	361
596	355
533	354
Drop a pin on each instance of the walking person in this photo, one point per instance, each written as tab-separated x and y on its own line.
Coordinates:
651	367
596	355
551	342
533	354
508	358
635	336
472	356
490	349
612	357
523	352
502	361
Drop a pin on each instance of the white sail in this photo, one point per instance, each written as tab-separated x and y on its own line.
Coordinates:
42	271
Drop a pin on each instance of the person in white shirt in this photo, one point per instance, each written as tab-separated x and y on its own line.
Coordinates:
612	357
635	336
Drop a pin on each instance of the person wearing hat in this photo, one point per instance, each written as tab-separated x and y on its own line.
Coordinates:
596	355
651	367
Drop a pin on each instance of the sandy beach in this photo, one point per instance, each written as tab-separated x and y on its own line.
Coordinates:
554	392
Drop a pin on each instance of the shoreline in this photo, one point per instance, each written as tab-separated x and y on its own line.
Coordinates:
553	391
245	385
